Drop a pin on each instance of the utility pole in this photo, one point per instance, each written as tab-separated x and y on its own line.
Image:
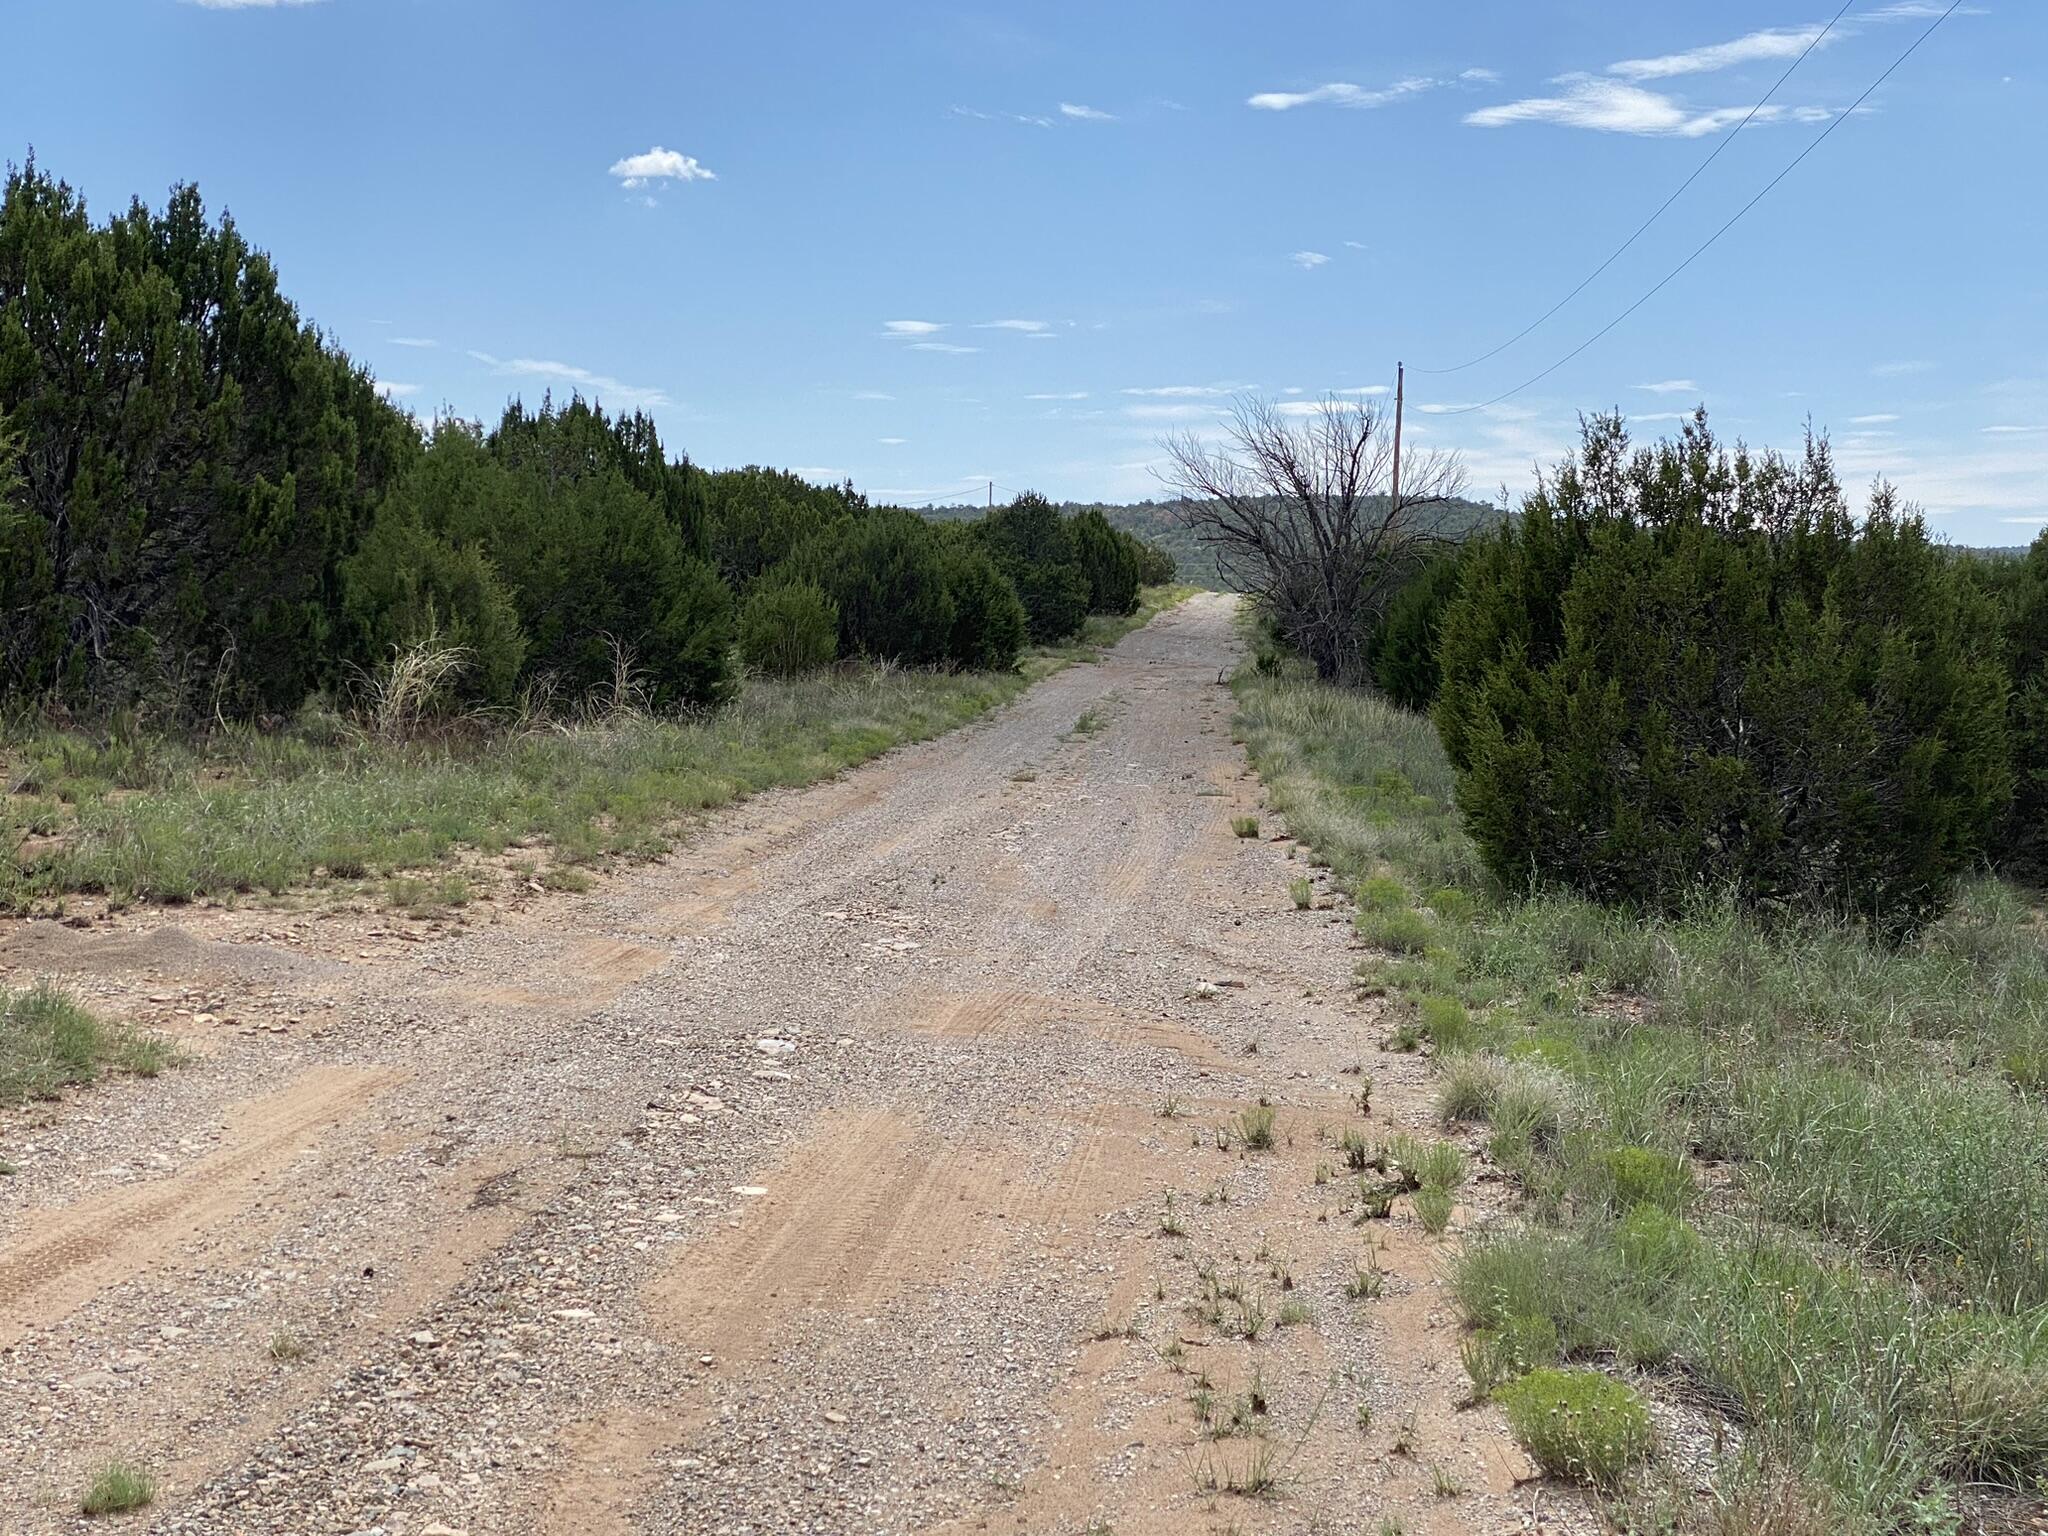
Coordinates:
1400	388
991	495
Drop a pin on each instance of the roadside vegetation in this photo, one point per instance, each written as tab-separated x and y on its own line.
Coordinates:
1716	920
49	1043
263	628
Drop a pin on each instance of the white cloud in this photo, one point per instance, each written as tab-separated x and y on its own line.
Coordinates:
1169	412
1768	46
1660	416
391	391
1078	394
1669	387
1032	326
871	394
609	389
2005	430
1085	114
940	346
1028	120
1773	43
892	442
1874	419
1608	106
1479	76
413	341
1172	391
1308	261
912	327
1444	410
1340	93
659	164
1899	370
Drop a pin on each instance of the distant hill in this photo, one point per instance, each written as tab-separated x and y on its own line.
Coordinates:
1156	523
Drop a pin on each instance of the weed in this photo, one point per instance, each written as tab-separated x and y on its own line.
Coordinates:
1443	1482
1433	1208
1303	892
1578	1424
1356	1149
1245	826
48	1043
118	1486
1293	1313
1362	1416
1170	1223
286	1347
1381	893
1437	1164
1255	1127
1367	1280
1170	1108
1092	719
1404	932
1493	1357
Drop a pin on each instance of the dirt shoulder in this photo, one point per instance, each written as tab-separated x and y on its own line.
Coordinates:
814	1178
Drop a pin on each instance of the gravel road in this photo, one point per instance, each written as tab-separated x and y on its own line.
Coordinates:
856	1168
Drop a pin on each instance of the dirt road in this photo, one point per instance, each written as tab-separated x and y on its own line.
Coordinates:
815	1179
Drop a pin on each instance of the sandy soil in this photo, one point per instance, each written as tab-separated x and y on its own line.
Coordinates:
810	1180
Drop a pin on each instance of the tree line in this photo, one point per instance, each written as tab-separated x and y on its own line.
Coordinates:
1673	669
206	503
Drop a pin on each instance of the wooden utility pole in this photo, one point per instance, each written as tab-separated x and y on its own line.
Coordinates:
991	495
1400	388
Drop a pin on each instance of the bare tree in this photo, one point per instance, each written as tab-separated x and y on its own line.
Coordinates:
1302	514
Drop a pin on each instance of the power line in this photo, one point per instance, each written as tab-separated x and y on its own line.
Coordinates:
1701	249
1726	139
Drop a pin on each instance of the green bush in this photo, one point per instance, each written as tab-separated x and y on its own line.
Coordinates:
1108	559
1676	669
789	627
886	572
1404	653
1156	567
1578	1424
2025	843
761	517
405	584
988	619
1035	547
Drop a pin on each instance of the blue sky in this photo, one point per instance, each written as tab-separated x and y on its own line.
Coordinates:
927	245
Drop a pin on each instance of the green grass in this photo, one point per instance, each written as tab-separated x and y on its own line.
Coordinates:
48	1043
1792	1176
119	1486
138	816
